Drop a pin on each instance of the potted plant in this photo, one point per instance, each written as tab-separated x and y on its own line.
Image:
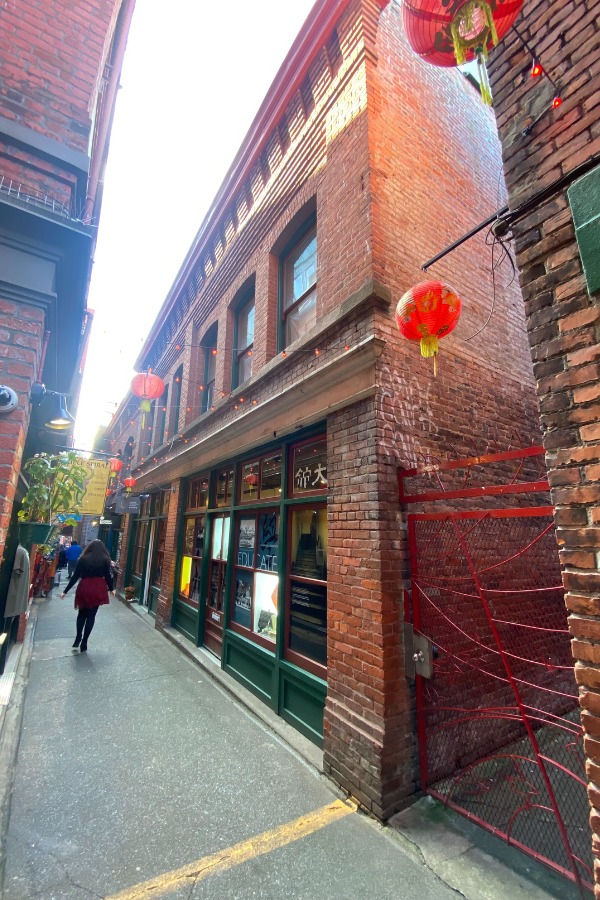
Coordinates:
56	485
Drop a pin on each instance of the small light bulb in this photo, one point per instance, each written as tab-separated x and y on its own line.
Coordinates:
556	102
536	69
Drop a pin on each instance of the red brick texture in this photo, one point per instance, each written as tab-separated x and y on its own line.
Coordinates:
21	347
392	177
562	319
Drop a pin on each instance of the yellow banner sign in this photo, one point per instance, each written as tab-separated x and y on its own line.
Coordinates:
96	482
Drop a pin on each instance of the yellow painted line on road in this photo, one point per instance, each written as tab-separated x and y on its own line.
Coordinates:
238	853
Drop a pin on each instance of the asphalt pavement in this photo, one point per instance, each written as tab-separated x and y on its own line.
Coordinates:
135	774
134	766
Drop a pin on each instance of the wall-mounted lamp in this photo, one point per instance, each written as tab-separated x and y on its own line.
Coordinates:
59	419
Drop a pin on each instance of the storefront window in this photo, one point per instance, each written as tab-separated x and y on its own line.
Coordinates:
139	550
224	487
191	565
309	468
198	494
307	632
218	557
163	503
261	479
256	580
161	535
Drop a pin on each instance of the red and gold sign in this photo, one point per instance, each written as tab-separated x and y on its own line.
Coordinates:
454	32
427	312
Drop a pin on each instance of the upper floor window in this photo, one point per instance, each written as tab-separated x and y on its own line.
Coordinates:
299	288
176	401
245	342
161	418
210	367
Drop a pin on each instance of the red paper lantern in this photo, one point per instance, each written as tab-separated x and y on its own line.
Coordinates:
115	464
148	386
130	481
427	312
453	32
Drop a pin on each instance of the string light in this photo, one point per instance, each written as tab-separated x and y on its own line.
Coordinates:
536	68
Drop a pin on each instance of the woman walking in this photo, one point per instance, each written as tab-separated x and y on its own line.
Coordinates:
94	569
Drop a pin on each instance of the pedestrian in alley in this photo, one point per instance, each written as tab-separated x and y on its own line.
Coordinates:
73	554
94	570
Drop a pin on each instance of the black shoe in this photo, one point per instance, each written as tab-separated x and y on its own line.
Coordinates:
83	647
76	643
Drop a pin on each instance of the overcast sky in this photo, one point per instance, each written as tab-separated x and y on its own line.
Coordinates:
194	76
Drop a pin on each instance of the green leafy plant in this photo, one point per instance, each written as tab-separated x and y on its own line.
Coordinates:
56	485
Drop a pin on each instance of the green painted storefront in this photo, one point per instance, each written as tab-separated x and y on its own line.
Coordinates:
251	579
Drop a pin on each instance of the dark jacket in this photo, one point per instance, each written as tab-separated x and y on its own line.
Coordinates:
85	569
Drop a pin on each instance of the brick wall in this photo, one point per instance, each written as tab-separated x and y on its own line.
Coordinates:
52	54
21	348
392	177
562	318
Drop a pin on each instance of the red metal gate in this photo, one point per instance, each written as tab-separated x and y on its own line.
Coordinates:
500	739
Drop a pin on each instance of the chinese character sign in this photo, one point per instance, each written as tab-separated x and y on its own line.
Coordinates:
310	467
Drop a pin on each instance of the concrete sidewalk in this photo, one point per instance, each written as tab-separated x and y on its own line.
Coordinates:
134	764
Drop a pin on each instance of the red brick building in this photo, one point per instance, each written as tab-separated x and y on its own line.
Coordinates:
552	167
271	529
60	73
345	180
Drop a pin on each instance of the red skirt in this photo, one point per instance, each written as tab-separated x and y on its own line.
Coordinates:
91	592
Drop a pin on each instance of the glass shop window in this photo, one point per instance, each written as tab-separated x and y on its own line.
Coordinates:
261	479
224	488
307	599
191	564
256	581
139	549
161	537
198	494
218	561
309	468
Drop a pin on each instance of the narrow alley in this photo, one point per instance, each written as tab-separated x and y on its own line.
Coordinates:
133	766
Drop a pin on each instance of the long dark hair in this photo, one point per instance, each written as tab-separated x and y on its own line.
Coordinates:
95	552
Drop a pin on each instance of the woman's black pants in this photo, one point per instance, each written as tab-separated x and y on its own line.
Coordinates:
85	622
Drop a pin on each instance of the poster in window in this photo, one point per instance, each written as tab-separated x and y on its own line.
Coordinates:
268	542
186	572
266	587
242	605
246	536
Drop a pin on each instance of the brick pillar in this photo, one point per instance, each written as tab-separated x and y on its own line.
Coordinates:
368	727
539	145
164	606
